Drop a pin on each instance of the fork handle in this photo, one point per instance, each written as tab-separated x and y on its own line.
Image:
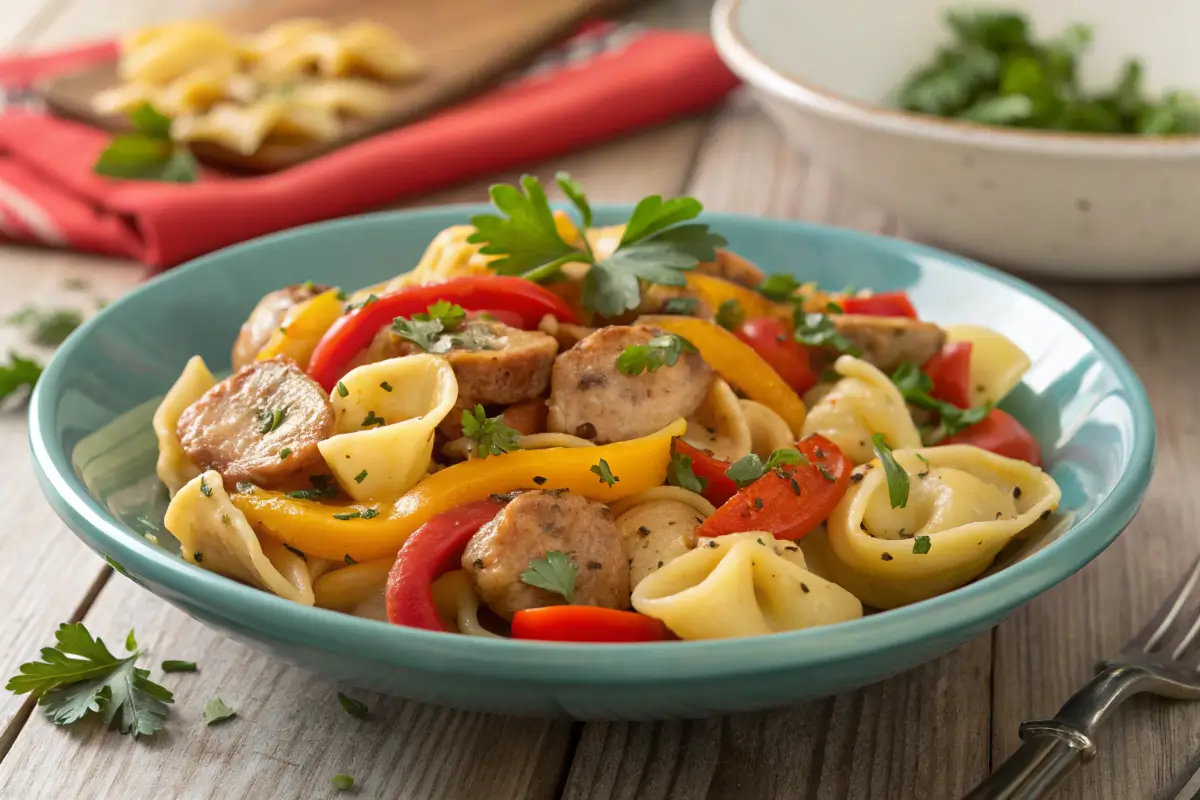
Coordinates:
1051	749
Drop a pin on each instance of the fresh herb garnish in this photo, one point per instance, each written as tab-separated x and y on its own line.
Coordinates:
663	350
833	308
341	389
284	453
654	247
131	644
440	329
17	373
748	469
47	328
178	666
730	314
148	153
369	513
371	420
387	387
349	559
272	420
355	708
555	572
366	301
205	489
819	330
915	386
921	545
323	486
80	676
296	552
360	477
342	782
602	469
491	436
684	306
216	711
780	288
897	478
680	473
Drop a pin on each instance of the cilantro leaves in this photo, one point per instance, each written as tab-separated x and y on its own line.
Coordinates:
663	350
148	153
80	677
897	476
654	248
996	73
555	572
915	386
491	436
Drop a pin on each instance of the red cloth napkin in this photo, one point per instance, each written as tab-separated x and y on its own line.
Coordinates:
602	82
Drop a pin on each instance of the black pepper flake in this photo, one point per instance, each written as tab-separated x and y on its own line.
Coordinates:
862	525
554	492
594	565
502	499
980	387
758	502
643	530
296	552
659	565
478	563
586	431
198	556
672	522
804	588
711	431
1016	493
886	556
856	477
760	541
1045	514
819	452
795	485
539	480
791	548
999	515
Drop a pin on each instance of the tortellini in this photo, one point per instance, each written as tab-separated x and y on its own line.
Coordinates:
243	128
458	605
658	526
719	424
214	534
862	403
741	584
996	365
384	436
174	467
768	431
964	505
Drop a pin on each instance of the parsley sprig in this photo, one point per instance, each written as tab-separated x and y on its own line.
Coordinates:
748	469
49	327
654	248
897	476
79	677
555	572
661	351
819	330
915	386
148	153
491	436
440	329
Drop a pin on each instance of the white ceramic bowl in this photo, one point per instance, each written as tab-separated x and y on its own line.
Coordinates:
1068	205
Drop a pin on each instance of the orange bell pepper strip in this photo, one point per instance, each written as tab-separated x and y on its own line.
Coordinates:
310	526
715	291
737	363
302	328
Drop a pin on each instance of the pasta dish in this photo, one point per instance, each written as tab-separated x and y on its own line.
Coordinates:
553	430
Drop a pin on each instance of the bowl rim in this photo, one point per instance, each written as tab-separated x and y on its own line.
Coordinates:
734	47
272	618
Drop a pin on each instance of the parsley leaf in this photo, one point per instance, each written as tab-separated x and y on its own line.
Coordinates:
574	193
915	386
440	329
178	666
730	315
605	472
680	473
47	328
663	350
779	287
148	153
342	782
819	330
451	315
921	545
17	373
216	711
81	677
555	572
897	477
748	469
526	237
491	436
355	708
684	306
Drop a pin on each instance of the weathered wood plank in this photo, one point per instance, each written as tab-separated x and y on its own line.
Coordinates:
1046	650
923	734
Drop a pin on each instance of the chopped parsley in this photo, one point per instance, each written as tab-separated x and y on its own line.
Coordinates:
17	373
491	436
205	489
730	315
921	545
323	486
341	389
349	559
178	666
371	419
684	306
216	711
272	420
284	453
602	469
47	328
819	330
780	288
355	708
387	387
371	298
915	386
342	782
360	477
681	474
663	350
897	478
440	329
555	572
748	469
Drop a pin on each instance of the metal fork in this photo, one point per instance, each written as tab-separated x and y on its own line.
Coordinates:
1163	659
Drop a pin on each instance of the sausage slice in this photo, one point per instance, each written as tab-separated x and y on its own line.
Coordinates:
261	424
266	318
591	398
534	524
885	342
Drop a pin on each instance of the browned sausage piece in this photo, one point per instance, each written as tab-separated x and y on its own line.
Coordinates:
591	398
534	524
261	424
885	342
733	267
266	318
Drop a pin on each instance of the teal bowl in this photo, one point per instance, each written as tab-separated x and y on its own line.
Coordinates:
94	452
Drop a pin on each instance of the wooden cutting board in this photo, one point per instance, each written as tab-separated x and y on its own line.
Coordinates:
467	45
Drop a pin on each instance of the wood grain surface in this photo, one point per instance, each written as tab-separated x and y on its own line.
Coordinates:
928	734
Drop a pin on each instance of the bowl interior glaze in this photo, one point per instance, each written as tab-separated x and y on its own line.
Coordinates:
94	452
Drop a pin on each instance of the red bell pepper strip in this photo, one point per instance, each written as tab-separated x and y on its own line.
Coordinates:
950	371
999	433
790	505
718	487
773	340
586	624
354	331
884	304
433	550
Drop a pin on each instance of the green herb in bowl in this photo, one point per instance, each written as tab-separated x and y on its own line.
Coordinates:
996	72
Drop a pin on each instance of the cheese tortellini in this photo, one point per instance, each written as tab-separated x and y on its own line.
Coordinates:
964	505
385	415
862	403
741	584
719	424
174	467
996	365
658	526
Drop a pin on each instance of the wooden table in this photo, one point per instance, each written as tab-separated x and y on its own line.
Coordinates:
930	733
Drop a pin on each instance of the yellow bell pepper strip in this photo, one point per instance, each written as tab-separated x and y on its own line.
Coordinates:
715	291
302	328
737	363
312	527
346	588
